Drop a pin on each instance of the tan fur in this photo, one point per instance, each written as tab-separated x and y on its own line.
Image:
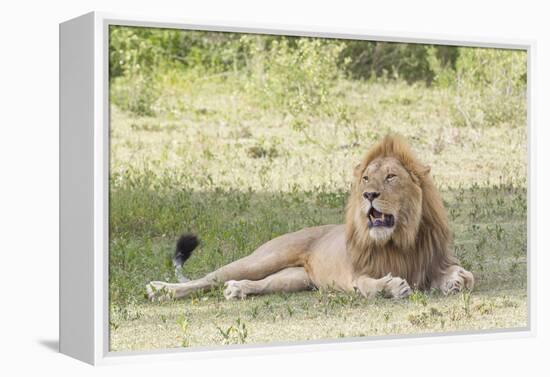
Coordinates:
414	252
419	250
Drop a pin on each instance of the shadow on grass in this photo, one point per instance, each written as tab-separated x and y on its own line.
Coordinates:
489	227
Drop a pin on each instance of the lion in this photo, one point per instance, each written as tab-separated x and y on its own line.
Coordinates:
395	239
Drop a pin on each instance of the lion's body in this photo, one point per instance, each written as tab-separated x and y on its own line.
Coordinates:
395	236
328	264
321	251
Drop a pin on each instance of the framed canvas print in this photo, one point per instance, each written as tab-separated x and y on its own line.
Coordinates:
242	189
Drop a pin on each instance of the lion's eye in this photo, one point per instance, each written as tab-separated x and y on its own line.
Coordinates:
366	178
389	177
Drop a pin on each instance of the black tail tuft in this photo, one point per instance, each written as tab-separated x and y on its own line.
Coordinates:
185	246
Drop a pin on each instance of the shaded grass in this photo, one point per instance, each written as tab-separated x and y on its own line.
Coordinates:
491	242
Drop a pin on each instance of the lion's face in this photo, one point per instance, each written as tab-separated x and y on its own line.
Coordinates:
395	218
390	200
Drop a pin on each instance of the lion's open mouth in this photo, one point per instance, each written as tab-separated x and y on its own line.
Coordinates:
379	219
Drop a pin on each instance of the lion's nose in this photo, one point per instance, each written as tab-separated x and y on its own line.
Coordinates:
371	195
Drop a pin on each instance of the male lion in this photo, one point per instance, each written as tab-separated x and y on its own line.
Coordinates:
395	237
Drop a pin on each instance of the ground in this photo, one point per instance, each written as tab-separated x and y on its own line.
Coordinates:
211	320
213	161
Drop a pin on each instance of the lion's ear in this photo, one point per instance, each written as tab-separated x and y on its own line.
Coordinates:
419	173
357	170
425	170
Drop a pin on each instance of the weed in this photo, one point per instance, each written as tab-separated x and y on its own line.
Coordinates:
485	308
289	310
236	333
466	300
183	325
419	298
254	311
434	312
426	318
259	151
114	325
419	320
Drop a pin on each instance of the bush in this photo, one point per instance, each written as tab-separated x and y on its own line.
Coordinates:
406	61
293	74
297	76
138	57
137	93
136	50
488	86
491	86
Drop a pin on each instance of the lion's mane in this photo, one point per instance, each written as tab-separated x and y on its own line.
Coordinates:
419	250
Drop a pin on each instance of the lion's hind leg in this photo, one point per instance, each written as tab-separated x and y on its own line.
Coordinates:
292	279
163	291
256	267
281	253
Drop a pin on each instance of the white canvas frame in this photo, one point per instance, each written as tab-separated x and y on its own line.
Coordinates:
84	181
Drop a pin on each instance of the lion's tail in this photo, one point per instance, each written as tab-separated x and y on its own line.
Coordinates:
184	248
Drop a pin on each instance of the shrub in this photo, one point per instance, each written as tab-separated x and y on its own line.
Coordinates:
406	61
137	93
298	76
139	57
293	74
134	50
488	86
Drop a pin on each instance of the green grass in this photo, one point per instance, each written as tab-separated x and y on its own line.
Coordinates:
217	161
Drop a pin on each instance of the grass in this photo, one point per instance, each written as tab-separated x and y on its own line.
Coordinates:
215	161
306	316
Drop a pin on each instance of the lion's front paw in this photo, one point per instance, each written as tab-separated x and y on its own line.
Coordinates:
459	280
233	290
395	287
158	291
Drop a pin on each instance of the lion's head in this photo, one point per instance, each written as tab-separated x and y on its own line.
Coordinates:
395	218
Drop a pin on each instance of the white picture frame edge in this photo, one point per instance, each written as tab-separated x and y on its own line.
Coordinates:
84	187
